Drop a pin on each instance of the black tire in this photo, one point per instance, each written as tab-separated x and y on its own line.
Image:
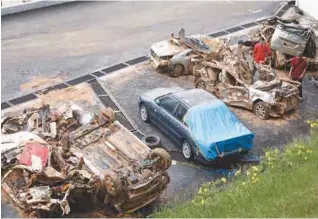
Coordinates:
200	84
176	70
143	112
152	141
261	110
187	151
164	158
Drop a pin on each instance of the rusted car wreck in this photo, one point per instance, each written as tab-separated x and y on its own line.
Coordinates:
63	158
175	56
267	97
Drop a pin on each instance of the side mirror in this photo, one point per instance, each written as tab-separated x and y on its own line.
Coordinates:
157	102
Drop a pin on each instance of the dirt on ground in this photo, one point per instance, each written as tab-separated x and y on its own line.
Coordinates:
42	82
81	92
249	117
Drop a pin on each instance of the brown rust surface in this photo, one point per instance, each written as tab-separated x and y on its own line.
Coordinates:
81	92
41	82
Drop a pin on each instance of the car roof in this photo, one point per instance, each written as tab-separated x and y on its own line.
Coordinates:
194	97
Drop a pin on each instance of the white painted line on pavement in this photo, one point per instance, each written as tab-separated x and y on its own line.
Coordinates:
8	41
174	162
256	11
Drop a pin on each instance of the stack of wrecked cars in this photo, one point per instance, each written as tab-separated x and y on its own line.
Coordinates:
286	38
228	73
58	160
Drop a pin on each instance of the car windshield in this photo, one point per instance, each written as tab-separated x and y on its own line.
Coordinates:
197	43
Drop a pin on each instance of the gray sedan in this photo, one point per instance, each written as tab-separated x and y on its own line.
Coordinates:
197	121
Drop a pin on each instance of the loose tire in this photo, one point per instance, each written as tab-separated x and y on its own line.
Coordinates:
164	158
176	70
144	115
261	110
152	141
187	150
200	84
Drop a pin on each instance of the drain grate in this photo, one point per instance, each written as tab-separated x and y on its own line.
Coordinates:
23	99
114	68
265	19
55	87
218	34
80	79
285	7
108	102
97	88
98	74
252	24
119	116
138	134
137	60
280	13
4	105
234	29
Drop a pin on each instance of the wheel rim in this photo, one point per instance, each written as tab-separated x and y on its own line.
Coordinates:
201	84
143	113
177	70
186	150
151	140
260	111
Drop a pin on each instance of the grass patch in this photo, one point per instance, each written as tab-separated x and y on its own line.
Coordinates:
285	184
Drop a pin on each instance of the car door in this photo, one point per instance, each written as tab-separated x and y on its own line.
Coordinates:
181	129
233	92
165	120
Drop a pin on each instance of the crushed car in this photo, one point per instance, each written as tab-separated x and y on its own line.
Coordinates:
175	55
57	159
268	96
287	36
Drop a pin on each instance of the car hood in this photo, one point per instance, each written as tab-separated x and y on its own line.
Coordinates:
158	92
165	48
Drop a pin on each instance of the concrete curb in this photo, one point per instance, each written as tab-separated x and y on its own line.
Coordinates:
30	6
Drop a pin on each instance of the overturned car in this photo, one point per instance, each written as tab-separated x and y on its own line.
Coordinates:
59	159
267	97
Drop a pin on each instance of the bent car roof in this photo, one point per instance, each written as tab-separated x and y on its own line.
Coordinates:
194	97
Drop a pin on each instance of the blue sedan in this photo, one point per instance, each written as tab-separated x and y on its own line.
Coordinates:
196	120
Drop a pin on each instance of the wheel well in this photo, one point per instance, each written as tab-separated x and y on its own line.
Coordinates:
141	103
257	101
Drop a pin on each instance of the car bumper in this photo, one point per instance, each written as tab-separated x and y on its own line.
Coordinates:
285	106
157	63
202	159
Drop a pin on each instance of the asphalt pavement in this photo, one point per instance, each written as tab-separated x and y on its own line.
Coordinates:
79	37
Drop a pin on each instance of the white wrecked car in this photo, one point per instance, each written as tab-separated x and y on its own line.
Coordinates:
266	97
175	55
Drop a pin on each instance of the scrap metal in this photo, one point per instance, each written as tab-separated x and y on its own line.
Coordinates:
54	156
